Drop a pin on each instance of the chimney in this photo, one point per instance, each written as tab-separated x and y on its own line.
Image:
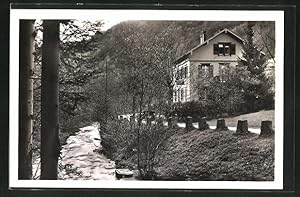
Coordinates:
202	37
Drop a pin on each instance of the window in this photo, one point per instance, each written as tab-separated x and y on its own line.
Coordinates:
179	74
206	70
221	49
204	94
185	94
182	94
182	73
224	69
175	95
225	48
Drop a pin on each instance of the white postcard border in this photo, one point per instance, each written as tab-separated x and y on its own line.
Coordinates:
183	15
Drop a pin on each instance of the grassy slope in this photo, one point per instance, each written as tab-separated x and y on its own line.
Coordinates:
212	155
254	119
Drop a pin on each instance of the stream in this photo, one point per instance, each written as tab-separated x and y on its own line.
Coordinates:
80	158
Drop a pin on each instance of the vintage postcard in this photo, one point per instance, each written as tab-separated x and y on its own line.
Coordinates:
163	99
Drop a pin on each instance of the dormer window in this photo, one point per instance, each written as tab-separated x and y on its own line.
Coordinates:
224	48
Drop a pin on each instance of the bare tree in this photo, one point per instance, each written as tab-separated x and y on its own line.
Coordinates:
264	31
166	51
26	98
50	145
144	79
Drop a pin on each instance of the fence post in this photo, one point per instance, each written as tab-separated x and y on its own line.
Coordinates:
266	129
172	122
189	123
148	120
160	121
242	127
221	125
131	118
202	125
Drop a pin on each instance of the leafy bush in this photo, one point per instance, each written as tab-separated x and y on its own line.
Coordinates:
117	140
134	145
195	109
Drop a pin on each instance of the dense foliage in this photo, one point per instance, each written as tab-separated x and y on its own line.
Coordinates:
257	95
76	69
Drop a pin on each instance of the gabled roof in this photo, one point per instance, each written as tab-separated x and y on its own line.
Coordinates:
184	56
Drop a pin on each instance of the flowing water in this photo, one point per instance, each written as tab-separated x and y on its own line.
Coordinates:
80	158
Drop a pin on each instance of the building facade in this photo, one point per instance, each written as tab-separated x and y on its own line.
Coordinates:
211	58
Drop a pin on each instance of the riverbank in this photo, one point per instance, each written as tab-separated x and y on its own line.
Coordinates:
217	155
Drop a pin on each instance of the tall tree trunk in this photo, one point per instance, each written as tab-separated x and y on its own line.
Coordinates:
26	49
50	146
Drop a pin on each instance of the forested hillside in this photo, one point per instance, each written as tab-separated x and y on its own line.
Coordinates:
186	33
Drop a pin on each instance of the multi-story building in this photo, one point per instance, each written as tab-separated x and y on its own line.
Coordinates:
210	58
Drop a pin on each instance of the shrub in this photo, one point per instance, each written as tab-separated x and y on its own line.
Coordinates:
195	109
132	145
117	139
152	139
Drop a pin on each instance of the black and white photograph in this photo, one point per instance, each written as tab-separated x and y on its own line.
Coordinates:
175	99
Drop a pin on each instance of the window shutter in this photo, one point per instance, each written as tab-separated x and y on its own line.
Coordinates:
211	70
232	49
180	74
176	74
200	71
181	94
216	49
